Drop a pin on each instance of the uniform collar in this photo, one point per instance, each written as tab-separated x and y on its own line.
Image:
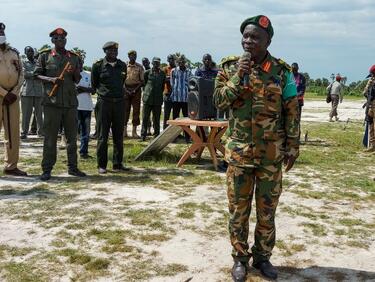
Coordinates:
266	65
106	62
55	53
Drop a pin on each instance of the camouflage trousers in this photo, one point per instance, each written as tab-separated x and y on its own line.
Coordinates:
266	181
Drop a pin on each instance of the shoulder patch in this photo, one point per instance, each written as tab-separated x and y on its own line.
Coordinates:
98	61
44	50
14	49
284	64
74	53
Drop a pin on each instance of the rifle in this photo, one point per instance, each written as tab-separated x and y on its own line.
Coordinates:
61	77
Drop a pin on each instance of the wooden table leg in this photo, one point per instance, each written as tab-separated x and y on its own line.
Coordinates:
197	144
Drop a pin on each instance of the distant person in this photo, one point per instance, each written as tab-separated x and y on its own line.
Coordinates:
207	70
369	93
168	89
180	76
107	79
133	92
301	86
61	107
32	95
153	97
146	66
11	79
335	90
85	108
146	63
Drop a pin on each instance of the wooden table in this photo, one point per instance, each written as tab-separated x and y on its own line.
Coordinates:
199	138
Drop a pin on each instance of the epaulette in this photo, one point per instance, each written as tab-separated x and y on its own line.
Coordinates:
284	64
228	59
74	53
44	50
13	49
98	61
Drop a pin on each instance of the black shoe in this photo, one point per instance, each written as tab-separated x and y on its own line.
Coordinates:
239	271
46	175
267	269
120	168
23	136
76	172
15	172
85	156
143	137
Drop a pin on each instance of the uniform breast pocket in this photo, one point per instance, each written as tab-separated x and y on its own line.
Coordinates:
51	67
272	98
104	75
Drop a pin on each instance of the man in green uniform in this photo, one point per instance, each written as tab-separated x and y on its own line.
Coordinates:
59	68
153	97
107	79
262	132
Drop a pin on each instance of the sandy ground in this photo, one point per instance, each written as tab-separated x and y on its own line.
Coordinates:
208	259
318	111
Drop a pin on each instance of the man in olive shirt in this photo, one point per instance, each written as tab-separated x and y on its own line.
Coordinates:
32	95
61	106
153	97
133	92
107	80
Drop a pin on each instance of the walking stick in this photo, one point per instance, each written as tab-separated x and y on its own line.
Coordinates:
61	77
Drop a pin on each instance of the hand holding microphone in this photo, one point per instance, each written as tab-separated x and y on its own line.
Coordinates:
244	68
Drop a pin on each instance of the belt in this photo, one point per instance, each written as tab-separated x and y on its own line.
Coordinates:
111	99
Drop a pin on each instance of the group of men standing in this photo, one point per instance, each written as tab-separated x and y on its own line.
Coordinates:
59	91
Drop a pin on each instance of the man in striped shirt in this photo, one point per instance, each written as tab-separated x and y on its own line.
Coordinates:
179	83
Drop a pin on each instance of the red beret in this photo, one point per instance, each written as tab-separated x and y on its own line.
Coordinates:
58	31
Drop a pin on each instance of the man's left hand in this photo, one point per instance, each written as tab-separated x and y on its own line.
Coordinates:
289	162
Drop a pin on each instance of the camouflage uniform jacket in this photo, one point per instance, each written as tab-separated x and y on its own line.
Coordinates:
263	126
51	64
370	84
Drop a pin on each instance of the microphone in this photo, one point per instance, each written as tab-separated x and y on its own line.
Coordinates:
246	78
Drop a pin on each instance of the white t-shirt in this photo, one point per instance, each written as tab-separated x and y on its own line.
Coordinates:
84	98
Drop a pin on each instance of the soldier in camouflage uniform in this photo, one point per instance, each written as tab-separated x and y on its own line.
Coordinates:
369	93
263	131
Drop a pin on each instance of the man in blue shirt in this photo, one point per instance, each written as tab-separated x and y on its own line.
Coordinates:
207	70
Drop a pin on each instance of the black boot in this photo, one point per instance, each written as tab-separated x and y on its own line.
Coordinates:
267	269
239	271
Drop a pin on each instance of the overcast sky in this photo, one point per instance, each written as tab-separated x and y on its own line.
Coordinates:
324	37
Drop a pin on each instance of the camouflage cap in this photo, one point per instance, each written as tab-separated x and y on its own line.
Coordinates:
228	59
2	26
132	52
58	31
156	59
110	44
261	21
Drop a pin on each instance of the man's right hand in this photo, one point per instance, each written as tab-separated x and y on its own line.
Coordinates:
9	98
56	80
244	66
